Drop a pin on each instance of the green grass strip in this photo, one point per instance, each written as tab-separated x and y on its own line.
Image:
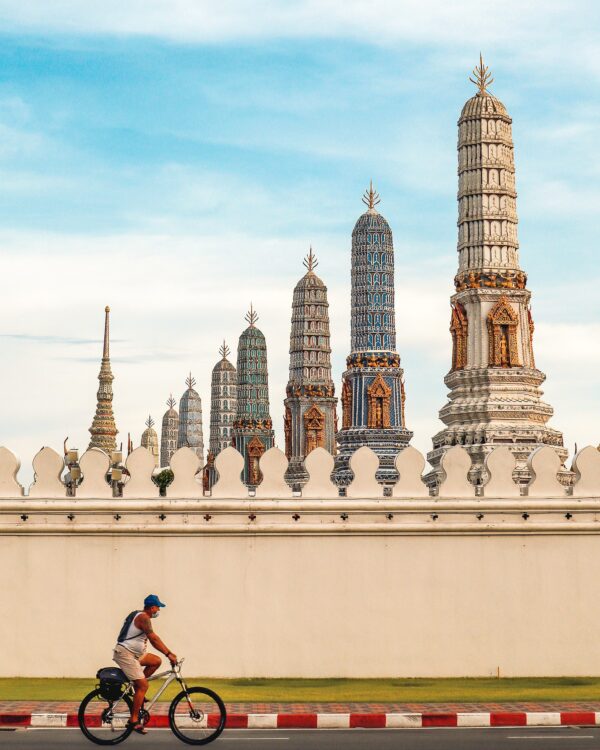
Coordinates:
459	690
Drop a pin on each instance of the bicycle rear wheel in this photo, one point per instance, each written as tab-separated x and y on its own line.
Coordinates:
105	722
197	716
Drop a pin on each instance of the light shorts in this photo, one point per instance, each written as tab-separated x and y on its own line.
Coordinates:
129	663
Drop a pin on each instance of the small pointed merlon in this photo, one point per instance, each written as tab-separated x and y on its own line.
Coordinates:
224	350
171	402
149	422
251	316
371	197
190	381
310	262
483	77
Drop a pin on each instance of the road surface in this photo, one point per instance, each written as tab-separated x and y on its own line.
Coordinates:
532	738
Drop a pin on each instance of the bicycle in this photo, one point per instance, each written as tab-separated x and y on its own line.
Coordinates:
197	715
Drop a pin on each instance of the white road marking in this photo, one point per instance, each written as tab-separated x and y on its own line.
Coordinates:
551	737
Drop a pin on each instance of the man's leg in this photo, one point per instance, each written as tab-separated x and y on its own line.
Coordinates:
150	662
141	686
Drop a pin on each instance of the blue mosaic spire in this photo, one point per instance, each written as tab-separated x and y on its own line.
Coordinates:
373	384
373	324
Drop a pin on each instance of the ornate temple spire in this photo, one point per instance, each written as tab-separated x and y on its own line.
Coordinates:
487	197
372	389
310	404
371	197
190	419
169	433
495	395
483	78
223	404
103	429
252	432
150	439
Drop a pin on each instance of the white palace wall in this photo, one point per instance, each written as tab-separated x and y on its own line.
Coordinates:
364	587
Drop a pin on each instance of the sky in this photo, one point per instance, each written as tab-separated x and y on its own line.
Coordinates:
175	159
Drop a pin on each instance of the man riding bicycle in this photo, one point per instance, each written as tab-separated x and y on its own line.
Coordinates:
130	653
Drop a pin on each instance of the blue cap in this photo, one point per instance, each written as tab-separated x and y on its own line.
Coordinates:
153	601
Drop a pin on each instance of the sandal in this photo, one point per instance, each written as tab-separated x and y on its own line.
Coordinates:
138	727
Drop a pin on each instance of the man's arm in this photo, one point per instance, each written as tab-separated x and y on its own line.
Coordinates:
144	623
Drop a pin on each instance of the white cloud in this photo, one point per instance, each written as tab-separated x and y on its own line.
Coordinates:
14	108
554	197
17	142
459	22
527	34
31	182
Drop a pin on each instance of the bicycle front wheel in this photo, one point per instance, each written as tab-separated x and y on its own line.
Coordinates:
197	716
105	722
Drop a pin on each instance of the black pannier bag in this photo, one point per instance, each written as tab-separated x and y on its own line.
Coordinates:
112	682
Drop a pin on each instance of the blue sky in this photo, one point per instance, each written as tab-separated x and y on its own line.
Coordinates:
176	159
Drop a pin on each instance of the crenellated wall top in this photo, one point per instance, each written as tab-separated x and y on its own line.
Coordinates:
51	476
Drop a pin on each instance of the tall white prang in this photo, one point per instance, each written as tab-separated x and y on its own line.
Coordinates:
495	397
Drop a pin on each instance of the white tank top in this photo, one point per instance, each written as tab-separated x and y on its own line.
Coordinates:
135	640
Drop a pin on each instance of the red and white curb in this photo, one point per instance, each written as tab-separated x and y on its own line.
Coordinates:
345	720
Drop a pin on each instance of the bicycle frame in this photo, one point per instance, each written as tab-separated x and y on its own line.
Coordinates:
174	673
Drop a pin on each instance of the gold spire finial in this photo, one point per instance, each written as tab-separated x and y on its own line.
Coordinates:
106	347
190	381
149	422
251	316
483	77
171	402
224	350
310	262
371	197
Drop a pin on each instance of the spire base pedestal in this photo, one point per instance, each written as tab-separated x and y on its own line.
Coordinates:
386	443
490	407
